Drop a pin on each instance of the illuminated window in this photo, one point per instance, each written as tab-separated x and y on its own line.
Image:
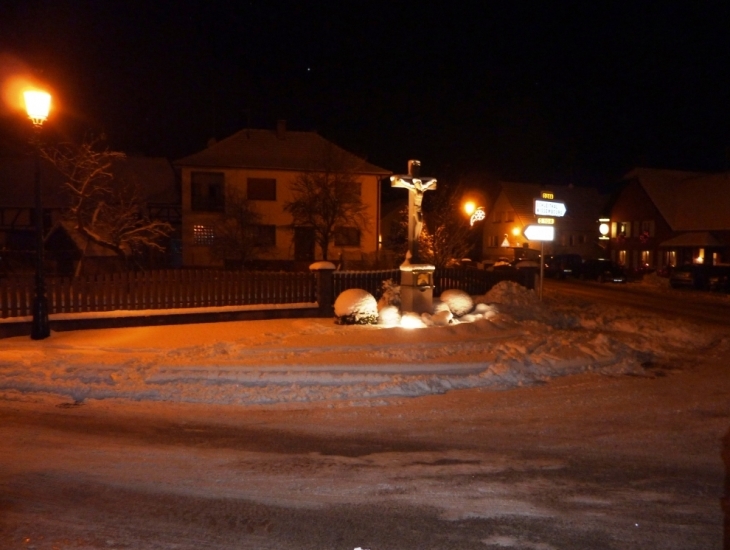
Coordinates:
207	191
347	236
203	235
646	257
624	229
261	189
622	257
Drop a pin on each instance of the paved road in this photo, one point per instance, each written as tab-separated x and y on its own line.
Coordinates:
702	307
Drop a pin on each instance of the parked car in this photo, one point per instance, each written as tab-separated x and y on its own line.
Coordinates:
682	276
561	266
701	277
602	270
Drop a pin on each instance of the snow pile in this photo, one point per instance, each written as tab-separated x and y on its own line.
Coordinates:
458	302
509	339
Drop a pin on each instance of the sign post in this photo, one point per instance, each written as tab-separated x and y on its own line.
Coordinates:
547	209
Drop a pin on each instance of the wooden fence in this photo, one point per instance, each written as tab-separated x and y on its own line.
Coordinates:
179	289
171	289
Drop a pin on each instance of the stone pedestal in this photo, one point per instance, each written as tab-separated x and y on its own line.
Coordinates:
416	288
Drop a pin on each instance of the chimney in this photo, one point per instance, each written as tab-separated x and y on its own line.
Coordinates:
281	129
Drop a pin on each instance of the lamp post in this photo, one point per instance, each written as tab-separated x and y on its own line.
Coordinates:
37	105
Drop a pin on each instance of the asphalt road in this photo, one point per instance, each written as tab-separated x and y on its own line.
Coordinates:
697	306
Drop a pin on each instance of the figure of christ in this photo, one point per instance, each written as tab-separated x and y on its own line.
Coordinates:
416	186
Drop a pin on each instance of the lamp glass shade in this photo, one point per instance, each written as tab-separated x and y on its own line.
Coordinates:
37	105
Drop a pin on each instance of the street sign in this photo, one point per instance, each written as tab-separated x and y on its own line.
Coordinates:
539	232
549	208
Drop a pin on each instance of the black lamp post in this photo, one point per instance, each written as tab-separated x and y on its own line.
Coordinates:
37	104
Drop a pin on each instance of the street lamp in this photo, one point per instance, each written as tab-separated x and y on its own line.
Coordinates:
37	105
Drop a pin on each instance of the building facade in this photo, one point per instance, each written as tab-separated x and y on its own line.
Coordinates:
666	218
259	167
513	210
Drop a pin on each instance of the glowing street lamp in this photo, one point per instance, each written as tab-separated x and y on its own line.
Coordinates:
37	105
603	228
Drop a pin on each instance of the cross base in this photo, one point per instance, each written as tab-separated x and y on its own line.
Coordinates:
416	288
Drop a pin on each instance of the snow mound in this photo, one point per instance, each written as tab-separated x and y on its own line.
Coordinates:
389	316
356	306
510	293
458	301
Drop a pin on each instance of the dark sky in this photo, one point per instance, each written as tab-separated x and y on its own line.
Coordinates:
560	91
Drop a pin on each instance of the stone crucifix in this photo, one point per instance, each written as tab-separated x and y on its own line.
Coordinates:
416	186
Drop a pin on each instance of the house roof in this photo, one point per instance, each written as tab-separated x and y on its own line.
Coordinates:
693	240
688	201
277	150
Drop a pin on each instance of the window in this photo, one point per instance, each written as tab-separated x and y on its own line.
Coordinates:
347	236
509	216
646	258
261	189
624	229
207	191
203	235
263	235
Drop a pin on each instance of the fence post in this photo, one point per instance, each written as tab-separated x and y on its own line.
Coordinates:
325	287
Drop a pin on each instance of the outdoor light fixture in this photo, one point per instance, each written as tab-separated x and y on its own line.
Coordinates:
469	207
37	105
516	231
603	228
477	215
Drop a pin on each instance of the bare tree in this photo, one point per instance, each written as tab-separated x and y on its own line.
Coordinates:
235	234
105	210
445	238
328	198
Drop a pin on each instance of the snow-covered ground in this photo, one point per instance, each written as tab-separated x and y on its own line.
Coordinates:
303	433
510	339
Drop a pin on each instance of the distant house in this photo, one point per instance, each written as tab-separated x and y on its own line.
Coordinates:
670	217
513	210
260	166
64	246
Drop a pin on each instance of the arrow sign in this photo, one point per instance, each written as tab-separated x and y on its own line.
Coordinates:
549	208
539	232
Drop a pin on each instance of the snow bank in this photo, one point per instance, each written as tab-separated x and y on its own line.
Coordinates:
509	339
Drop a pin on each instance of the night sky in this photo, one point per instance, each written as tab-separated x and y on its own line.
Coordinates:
565	92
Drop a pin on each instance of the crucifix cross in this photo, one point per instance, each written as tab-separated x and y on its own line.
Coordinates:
416	186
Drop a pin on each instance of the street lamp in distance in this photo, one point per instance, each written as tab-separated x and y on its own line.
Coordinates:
37	105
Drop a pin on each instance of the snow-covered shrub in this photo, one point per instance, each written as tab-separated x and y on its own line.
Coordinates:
412	320
459	302
356	306
438	306
390	294
389	316
442	318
